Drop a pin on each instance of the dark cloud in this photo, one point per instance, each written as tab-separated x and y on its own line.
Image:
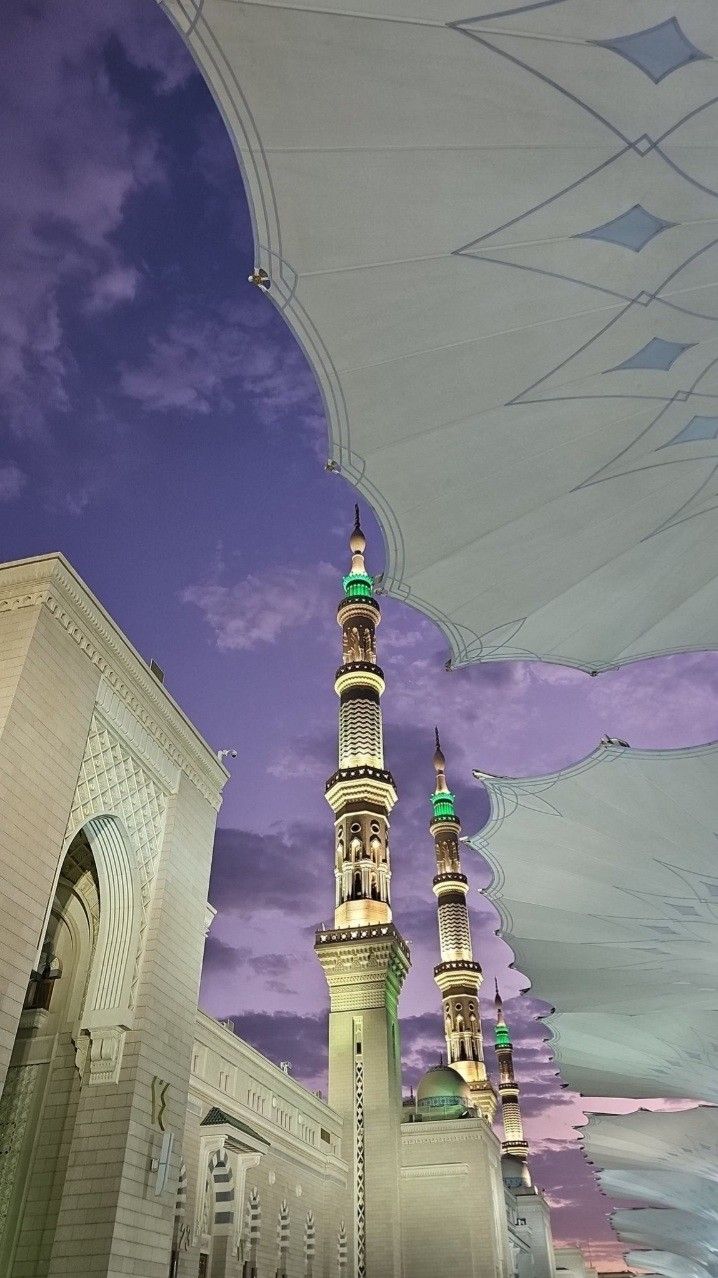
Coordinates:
284	1036
274	871
219	956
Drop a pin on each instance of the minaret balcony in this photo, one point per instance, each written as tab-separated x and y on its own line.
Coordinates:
361	608
459	966
365	788
364	932
366	771
359	674
449	876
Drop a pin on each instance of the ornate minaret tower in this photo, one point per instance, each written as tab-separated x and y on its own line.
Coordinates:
513	1142
458	976
365	960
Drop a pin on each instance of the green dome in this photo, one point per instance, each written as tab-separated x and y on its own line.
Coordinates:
442	1093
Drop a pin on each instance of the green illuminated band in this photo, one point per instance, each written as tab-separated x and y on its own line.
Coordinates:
503	1038
443	804
358	585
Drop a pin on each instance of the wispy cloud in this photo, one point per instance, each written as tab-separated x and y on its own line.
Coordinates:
210	359
259	608
71	160
12	481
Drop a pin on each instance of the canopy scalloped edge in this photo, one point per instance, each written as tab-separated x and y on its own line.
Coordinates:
465	644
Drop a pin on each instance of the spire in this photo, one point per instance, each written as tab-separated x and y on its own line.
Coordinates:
458	975
513	1142
364	957
502	1036
358	583
361	792
442	799
439	764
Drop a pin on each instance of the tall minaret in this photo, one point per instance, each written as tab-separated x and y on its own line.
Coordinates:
513	1142
365	960
458	976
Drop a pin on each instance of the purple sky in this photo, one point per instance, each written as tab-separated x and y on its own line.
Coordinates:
160	427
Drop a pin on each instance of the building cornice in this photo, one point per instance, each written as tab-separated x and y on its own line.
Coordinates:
50	582
211	1033
292	1150
440	1131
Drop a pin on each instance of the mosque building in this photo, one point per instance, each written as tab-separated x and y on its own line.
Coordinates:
141	1136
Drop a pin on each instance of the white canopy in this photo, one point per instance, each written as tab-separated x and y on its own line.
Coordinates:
495	237
667	1263
661	1228
677	1142
605	880
668	1159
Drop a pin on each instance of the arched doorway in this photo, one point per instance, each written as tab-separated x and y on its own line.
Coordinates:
39	1101
71	1033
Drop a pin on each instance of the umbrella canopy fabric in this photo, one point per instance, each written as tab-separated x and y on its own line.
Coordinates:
677	1143
668	1159
665	1228
605	880
496	238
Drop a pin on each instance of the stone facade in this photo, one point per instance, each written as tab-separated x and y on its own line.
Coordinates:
266	1189
140	1136
109	799
452	1199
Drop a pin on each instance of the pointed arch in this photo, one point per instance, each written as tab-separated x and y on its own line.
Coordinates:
223	1182
120	917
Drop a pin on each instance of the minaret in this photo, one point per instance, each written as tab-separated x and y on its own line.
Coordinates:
513	1143
458	976
365	960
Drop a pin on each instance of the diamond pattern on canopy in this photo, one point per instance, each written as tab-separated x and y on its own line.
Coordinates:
605	881
668	1159
496	237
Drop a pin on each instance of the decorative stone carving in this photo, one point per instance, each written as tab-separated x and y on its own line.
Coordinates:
172	741
15	1105
112	781
103	1049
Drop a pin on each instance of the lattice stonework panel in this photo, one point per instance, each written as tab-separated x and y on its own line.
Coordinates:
359	1166
15	1105
111	781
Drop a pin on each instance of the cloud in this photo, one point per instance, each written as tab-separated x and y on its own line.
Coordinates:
12	481
219	956
210	358
275	871
71	159
261	607
285	1036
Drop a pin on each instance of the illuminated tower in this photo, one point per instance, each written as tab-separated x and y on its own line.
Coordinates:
513	1143
365	960
458	976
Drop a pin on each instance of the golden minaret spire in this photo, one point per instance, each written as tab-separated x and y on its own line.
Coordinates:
458	975
513	1142
365	960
